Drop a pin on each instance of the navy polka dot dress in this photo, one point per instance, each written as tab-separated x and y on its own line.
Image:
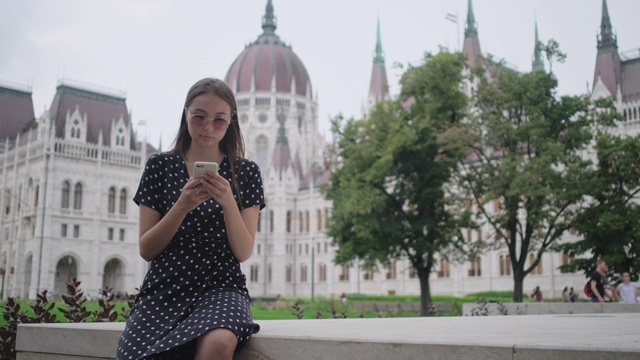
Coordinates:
195	284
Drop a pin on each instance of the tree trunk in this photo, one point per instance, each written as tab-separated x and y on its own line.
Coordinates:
425	292
518	282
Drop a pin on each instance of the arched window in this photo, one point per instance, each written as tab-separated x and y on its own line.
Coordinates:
475	266
271	221
301	221
66	189
78	133
111	204
254	273
344	273
289	274
262	151
538	269
123	201
289	221
322	276
77	196
391	271
303	273
502	263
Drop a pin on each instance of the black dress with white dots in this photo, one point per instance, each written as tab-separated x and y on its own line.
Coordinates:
195	284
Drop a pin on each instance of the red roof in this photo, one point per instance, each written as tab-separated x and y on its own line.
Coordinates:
266	59
608	69
631	80
16	111
379	86
101	110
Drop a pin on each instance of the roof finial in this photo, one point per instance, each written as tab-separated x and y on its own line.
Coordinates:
379	58
269	21
471	28
538	63
606	40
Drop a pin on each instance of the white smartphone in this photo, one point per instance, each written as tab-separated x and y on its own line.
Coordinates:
201	167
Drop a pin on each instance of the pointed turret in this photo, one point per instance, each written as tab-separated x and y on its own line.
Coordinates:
538	63
471	46
608	64
281	153
378	86
269	21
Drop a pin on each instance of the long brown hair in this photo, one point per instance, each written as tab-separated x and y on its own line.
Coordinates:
232	144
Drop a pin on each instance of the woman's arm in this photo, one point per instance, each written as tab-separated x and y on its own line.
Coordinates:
241	230
156	231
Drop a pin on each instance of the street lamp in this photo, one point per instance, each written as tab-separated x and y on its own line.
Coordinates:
44	208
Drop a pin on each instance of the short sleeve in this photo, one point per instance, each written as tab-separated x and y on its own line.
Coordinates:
151	184
251	190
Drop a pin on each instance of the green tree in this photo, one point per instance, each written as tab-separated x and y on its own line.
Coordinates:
388	191
526	171
609	227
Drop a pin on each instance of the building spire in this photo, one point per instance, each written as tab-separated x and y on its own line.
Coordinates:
471	45
607	40
379	57
538	63
471	28
378	85
269	21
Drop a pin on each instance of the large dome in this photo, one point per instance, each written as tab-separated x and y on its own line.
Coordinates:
268	59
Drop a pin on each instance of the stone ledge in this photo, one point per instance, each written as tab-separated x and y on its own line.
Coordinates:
553	308
460	338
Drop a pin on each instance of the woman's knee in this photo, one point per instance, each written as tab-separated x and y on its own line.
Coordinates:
220	341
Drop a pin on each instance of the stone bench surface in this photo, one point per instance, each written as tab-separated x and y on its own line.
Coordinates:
486	337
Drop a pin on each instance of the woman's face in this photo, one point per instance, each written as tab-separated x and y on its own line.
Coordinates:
208	118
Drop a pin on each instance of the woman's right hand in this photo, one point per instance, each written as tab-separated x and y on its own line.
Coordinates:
192	195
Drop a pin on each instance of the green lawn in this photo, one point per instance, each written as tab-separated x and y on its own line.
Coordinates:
268	309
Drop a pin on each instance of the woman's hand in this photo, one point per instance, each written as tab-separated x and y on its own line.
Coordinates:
193	194
217	187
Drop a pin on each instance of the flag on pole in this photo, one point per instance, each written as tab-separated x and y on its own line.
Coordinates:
452	17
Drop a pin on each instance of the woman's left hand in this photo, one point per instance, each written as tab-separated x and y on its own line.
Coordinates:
219	188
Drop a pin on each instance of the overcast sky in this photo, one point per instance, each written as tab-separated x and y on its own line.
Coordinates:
155	50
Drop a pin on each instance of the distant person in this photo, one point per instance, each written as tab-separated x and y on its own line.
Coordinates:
566	296
596	282
573	295
343	299
537	294
195	232
627	290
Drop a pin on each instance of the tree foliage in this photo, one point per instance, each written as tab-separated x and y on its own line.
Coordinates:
526	172
609	227
388	192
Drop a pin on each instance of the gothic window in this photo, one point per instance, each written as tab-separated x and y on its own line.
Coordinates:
269	272
301	221
66	189
111	204
306	221
123	201
262	151
271	221
475	266
368	274
77	196
289	274
445	270
319	220
289	221
303	273
344	273
538	269
322	273
391	271
254	273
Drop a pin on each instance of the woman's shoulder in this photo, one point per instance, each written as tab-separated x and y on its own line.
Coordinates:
246	164
164	157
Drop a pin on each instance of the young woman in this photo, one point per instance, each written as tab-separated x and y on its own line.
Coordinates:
193	302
